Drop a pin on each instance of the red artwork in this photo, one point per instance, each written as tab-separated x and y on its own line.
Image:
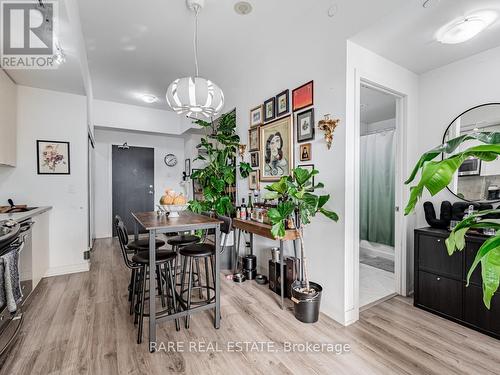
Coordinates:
303	96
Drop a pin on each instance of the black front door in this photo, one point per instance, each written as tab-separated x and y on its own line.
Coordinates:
133	182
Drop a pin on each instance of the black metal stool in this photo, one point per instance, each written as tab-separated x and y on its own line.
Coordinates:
179	241
139	264
197	252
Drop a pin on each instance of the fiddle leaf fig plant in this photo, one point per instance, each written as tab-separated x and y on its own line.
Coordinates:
219	148
436	175
296	201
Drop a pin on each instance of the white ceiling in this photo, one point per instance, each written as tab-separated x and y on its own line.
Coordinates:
406	36
67	77
141	47
376	105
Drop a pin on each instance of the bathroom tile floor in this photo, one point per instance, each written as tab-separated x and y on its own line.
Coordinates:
374	284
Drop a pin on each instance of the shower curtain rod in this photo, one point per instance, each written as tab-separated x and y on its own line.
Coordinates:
379	131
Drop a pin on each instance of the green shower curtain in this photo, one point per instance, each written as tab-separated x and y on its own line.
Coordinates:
377	208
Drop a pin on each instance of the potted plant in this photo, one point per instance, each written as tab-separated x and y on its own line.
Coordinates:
298	204
436	175
219	148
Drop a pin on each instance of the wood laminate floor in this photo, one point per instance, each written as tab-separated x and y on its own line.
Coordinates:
79	324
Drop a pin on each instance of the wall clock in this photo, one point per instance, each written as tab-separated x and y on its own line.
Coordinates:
170	160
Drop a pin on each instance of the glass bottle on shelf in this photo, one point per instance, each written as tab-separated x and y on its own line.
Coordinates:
243	209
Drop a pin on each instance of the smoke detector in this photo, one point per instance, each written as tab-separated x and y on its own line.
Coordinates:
243	8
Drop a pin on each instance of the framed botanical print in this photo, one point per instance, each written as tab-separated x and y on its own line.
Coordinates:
309	168
276	149
305	152
305	125
269	109
53	157
253	180
282	103
254	159
253	139
256	116
303	96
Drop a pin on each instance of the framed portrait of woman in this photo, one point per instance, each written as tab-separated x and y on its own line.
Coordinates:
276	148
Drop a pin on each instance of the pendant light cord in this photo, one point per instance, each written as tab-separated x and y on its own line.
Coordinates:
195	41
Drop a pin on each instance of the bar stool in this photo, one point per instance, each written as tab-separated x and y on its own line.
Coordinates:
179	241
203	252
132	247
139	264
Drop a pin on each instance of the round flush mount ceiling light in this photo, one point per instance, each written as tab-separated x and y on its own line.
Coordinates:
465	28
148	98
243	7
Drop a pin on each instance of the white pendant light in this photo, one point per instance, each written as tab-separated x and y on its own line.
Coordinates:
195	96
465	28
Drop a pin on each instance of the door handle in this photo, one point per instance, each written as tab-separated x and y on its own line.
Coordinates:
150	192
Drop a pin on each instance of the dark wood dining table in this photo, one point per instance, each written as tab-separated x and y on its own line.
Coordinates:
155	223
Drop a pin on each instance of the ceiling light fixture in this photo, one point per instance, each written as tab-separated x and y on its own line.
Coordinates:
465	28
59	55
194	96
150	99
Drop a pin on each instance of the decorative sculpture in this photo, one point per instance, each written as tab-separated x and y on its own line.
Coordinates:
328	125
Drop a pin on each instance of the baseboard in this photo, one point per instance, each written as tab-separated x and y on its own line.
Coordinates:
65	270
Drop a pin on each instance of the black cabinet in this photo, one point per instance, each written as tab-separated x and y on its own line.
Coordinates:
440	282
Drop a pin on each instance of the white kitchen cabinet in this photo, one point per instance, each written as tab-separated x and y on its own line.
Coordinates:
8	120
40	252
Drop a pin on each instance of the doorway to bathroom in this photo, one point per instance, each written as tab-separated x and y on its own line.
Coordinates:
377	195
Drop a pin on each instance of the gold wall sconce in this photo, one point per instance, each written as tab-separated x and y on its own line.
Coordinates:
241	150
328	126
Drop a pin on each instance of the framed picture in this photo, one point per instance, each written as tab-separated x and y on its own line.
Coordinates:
303	96
283	103
254	139
305	152
276	149
254	159
256	115
52	157
305	125
310	168
187	167
253	180
269	109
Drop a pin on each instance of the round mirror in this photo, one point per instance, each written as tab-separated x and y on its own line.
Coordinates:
476	181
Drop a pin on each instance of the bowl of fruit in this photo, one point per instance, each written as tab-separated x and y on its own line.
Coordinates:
173	203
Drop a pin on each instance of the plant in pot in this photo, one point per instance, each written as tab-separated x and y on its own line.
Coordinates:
298	203
218	149
436	175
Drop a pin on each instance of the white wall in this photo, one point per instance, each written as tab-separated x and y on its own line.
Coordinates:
267	76
50	115
165	177
8	114
137	118
363	64
445	93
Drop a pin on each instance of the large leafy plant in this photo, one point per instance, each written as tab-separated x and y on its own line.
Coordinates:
297	201
435	175
218	150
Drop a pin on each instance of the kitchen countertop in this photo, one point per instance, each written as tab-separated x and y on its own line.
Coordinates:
20	216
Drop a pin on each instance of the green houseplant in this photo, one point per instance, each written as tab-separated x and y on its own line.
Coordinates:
298	203
218	150
435	175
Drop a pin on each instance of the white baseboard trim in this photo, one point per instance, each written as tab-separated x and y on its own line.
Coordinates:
65	270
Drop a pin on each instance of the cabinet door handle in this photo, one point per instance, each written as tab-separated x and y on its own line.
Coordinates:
438	240
438	278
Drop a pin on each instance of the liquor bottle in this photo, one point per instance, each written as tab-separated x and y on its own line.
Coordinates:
250	207
243	209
